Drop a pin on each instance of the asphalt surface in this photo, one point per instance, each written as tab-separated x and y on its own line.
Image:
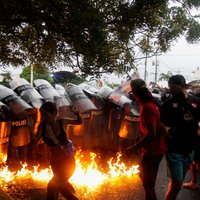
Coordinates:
132	189
163	180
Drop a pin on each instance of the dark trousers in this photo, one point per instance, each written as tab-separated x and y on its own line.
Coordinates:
63	169
149	170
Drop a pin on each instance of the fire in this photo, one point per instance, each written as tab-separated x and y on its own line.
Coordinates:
3	158
87	174
123	131
77	128
6	175
120	169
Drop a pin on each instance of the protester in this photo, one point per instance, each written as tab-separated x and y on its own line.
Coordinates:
62	159
165	94
152	148
180	114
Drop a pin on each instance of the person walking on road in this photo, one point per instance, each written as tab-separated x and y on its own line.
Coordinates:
150	143
180	114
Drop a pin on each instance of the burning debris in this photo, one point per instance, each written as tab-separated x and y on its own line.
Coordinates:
88	176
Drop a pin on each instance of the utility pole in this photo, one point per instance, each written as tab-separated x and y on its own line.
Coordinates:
156	63
145	68
156	70
146	56
31	78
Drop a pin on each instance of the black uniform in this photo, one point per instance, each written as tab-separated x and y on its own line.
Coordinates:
182	116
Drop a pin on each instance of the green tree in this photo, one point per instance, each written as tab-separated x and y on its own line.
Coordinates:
165	76
39	72
65	77
6	79
93	36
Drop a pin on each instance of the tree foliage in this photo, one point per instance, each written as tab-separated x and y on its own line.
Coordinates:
6	79
39	72
165	76
93	36
65	77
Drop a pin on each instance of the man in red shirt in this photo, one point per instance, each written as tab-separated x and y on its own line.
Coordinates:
150	143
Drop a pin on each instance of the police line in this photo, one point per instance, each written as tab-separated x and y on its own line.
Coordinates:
24	100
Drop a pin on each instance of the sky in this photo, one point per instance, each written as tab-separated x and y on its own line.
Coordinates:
183	58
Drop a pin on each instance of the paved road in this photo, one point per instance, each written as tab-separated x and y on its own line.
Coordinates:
162	183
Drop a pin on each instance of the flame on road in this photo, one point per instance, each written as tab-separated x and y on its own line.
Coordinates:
87	174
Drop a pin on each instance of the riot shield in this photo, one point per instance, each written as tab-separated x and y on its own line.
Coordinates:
12	100
98	123
63	103
105	91
46	89
129	126
4	112
20	134
89	89
81	134
80	100
119	99
61	91
114	122
63	99
26	91
4	140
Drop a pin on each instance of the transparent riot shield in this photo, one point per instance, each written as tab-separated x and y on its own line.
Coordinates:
119	99
129	126
4	140
40	152
114	122
98	124
126	129
105	91
80	100
125	87
26	91
19	148
47	91
61	91
63	103
12	100
81	134
89	89
4	132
